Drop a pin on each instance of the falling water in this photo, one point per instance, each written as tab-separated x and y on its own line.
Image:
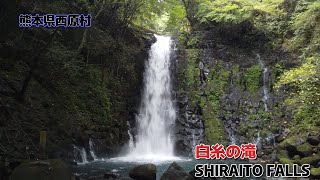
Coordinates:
91	146
265	79
233	139
82	153
157	113
194	143
258	140
265	95
131	145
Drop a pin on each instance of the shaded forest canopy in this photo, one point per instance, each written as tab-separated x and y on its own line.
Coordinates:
73	83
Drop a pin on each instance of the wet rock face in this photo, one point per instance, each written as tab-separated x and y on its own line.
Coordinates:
188	128
189	131
228	89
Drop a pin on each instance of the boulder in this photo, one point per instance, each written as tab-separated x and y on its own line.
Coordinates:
296	159
144	172
315	173
111	175
305	149
286	161
287	143
282	154
192	176
100	177
175	172
54	169
314	160
313	140
280	138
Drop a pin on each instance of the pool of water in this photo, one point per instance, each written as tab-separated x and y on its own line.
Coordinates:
120	166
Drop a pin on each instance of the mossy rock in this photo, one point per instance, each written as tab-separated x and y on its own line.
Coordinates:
313	160
214	127
286	161
53	169
280	138
145	171
214	131
305	149
296	159
282	154
287	142
253	78
315	172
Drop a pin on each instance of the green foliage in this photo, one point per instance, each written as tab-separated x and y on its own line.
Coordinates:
168	16
193	41
306	26
230	11
149	13
315	172
215	88
253	78
304	87
192	71
177	21
286	161
214	127
217	83
191	76
222	11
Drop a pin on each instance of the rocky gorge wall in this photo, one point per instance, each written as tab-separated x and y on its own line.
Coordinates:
225	88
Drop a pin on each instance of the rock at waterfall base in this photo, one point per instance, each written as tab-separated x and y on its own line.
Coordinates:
193	177
53	169
144	172
175	172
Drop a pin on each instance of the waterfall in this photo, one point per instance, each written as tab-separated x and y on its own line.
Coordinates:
131	145
258	140
233	139
157	113
91	147
265	82
80	152
194	143
265	98
84	155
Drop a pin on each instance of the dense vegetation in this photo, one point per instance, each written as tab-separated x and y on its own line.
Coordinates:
292	25
73	83
269	27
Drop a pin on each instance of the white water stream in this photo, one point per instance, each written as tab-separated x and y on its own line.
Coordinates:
265	83
82	152
265	98
157	113
91	146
